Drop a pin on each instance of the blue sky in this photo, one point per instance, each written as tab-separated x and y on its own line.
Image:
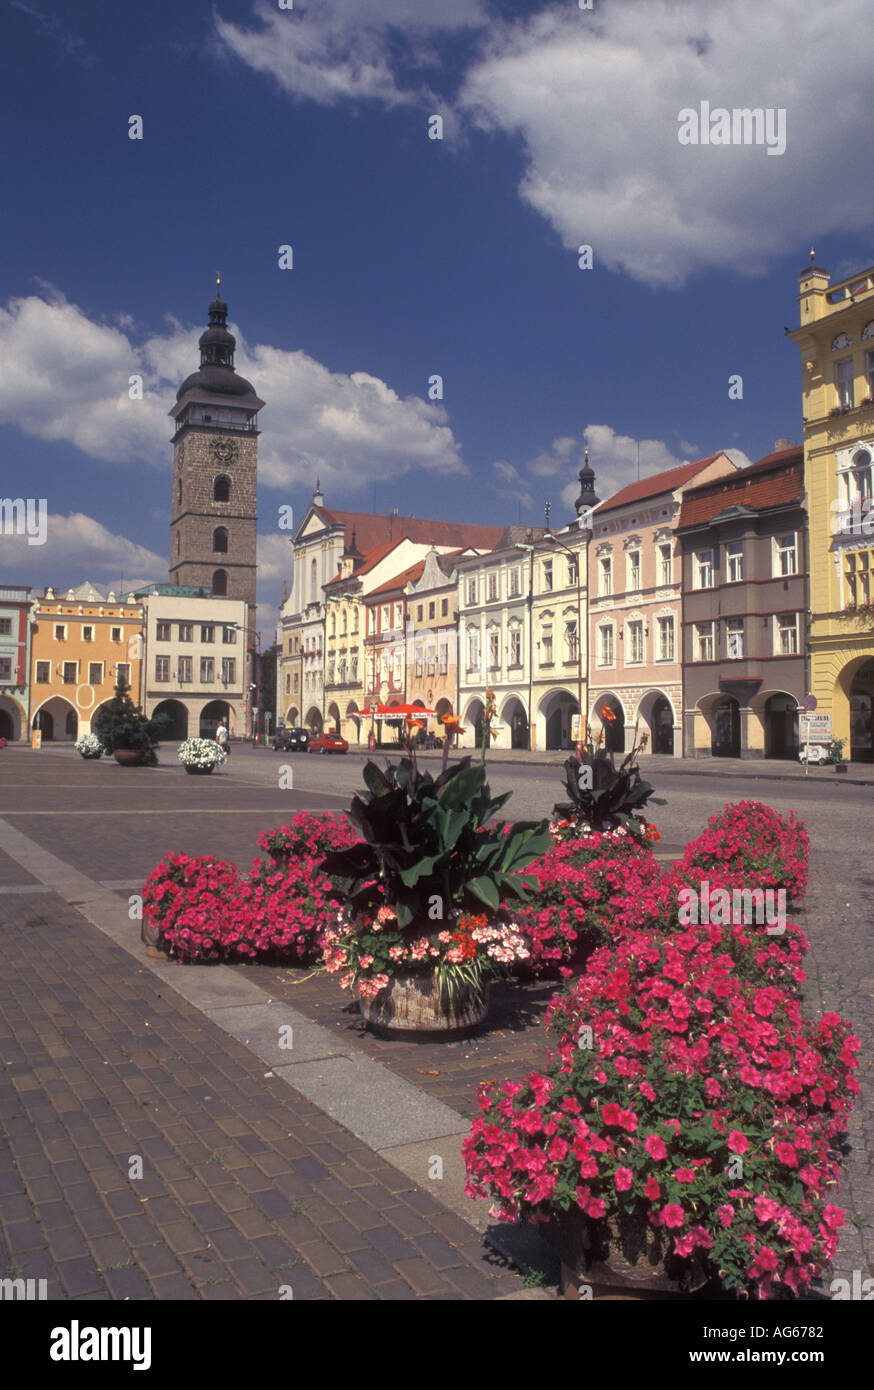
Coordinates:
412	256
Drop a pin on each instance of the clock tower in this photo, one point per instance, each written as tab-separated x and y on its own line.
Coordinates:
215	469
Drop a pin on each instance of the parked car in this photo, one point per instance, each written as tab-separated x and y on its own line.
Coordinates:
292	740
328	743
816	754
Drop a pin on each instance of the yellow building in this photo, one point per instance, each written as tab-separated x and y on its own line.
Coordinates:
79	648
836	339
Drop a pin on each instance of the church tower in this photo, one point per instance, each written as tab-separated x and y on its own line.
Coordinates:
215	470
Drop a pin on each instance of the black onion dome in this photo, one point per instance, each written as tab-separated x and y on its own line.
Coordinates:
216	374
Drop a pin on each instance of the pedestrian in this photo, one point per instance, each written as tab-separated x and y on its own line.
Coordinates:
222	738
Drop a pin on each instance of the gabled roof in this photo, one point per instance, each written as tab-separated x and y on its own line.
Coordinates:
773	481
398	581
667	481
373	530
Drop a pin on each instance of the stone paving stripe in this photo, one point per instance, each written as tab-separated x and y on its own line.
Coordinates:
257	1027
377	1106
416	1160
26	888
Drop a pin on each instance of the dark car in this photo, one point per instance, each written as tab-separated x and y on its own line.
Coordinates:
328	743
291	740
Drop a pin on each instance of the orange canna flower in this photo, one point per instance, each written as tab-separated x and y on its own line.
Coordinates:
414	723
608	716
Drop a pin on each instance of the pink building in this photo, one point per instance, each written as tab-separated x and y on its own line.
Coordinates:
635	609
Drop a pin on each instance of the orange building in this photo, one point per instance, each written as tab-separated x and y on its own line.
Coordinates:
80	646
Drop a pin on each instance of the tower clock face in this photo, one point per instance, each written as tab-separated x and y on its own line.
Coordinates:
224	451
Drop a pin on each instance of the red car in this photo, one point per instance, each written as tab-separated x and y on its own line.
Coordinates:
328	743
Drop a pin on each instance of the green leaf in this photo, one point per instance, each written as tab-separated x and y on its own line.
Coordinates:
485	890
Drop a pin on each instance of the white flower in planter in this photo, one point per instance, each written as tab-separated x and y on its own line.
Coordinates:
201	752
89	746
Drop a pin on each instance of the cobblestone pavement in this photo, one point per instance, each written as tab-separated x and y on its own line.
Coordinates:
79	814
246	1187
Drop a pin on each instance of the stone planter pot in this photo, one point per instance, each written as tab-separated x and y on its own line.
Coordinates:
414	1005
129	757
194	771
623	1255
840	767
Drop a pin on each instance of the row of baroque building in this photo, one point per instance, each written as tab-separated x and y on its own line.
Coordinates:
701	606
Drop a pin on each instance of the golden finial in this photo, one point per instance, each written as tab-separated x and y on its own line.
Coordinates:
812	255
218	280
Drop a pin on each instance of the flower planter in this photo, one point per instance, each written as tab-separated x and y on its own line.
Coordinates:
840	767
195	771
413	1004
129	757
625	1254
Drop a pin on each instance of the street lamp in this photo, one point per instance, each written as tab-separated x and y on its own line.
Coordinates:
256	671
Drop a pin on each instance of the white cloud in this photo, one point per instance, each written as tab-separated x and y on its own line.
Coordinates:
595	97
343	49
77	548
66	378
509	482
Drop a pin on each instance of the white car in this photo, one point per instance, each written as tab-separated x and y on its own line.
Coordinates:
816	753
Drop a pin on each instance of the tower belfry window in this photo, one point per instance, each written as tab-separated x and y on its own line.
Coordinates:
220	540
221	489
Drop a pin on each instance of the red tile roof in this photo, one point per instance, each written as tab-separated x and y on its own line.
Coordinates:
776	480
667	481
372	530
399	580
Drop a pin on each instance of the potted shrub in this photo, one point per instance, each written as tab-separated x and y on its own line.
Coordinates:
836	751
200	755
422	926
602	796
125	732
89	746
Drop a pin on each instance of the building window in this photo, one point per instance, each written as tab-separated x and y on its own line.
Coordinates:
43	671
162	633
88	634
633	562
353	674
471	590
185	670
229	670
785	554
473	649
605	646
666	639
122	672
295	684
494	649
665	563
344	623
858	577
115	634
5	669
844	381
734	558
515	647
634	650
703	569
162	668
492	586
570	640
605	576
547	576
186	632
444	608
573	571
856	481
734	639
546	647
703	641
95	673
5	627
207	670
354	620
386	617
786	643
220	540
60	632
333	632
71	672
432	610
207	633
420	612
513	582
399	615
221	489
220	583
287	684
